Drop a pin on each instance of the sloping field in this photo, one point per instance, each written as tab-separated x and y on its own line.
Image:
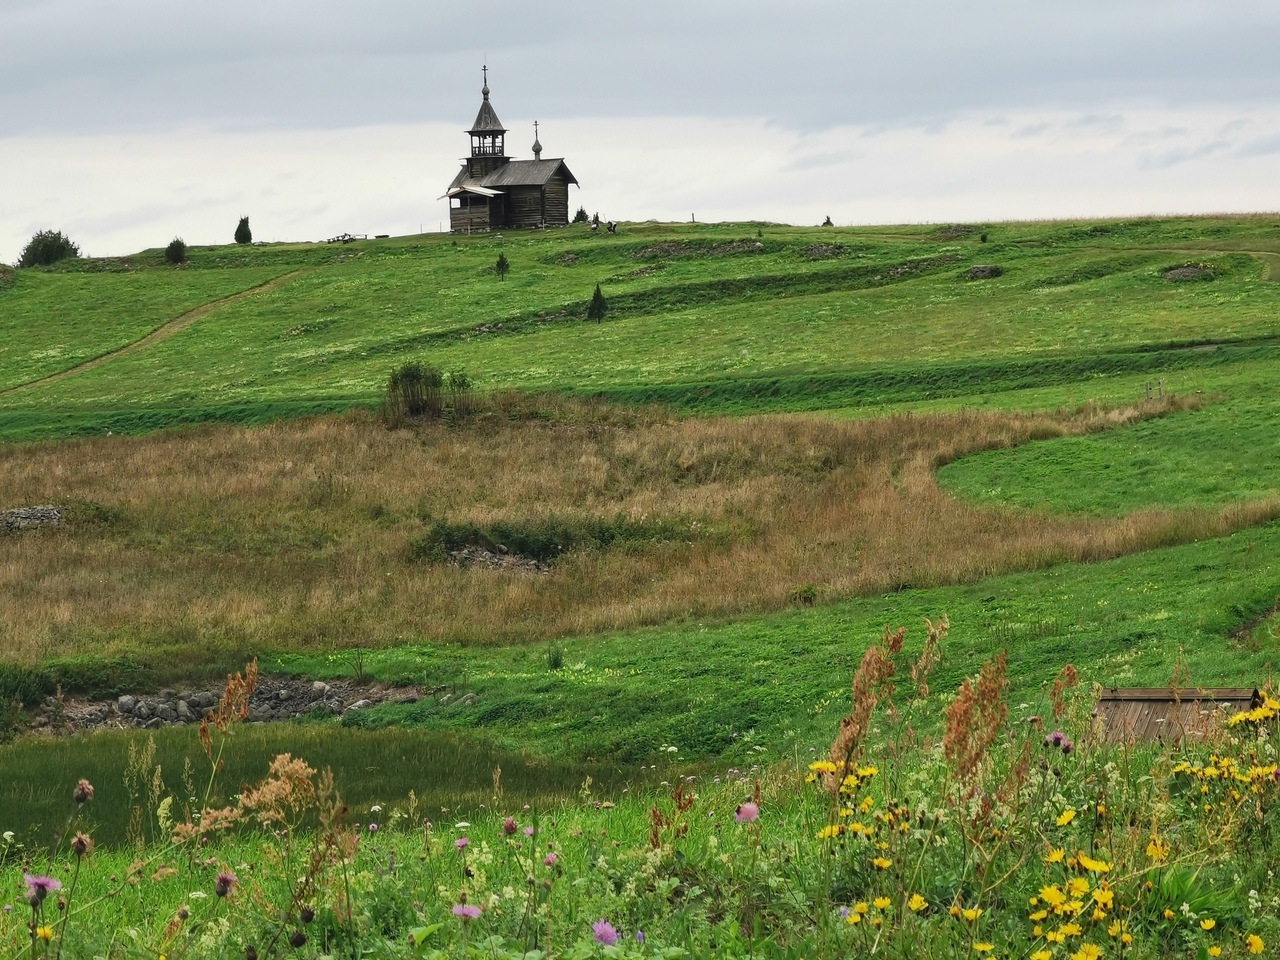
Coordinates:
1073	455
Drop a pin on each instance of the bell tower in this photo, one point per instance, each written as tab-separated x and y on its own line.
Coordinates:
488	137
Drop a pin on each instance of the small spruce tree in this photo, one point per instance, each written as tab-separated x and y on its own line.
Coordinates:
243	233
176	251
46	247
598	307
581	215
502	267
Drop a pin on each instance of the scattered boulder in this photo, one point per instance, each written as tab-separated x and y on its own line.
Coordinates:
360	705
126	703
984	271
1189	272
29	518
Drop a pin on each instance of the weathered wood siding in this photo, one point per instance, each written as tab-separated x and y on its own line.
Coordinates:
557	191
525	207
472	218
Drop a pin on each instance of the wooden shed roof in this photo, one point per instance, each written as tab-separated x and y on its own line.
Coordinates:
1162	713
513	173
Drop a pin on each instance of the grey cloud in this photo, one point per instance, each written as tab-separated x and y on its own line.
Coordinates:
1263	147
809	64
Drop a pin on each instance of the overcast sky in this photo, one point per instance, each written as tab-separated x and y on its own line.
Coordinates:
127	122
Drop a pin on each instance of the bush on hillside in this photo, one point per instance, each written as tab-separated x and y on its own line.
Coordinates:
413	390
597	308
243	233
581	216
46	247
176	251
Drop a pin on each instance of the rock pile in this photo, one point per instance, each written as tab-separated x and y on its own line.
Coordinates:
501	560
274	699
28	518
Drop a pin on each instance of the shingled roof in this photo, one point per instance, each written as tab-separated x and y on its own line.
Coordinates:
513	173
487	121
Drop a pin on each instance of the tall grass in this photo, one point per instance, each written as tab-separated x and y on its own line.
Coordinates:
217	541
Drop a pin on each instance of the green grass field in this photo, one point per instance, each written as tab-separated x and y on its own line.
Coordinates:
739	319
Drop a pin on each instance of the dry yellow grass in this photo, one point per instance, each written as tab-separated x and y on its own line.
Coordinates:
294	536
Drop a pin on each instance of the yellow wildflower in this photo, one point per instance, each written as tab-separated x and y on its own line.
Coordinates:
823	766
1105	898
1077	886
1056	936
44	933
867	771
1039	915
1215	951
853	918
859	908
917	903
1208	923
1254	942
1066	817
1072	929
1114	929
882	863
1168	914
866	804
972	913
1055	855
1126	939
984	947
1087	951
1157	850
1053	896
1092	865
882	903
1041	955
833	830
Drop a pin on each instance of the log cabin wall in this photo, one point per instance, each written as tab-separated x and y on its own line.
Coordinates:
525	207
557	202
473	218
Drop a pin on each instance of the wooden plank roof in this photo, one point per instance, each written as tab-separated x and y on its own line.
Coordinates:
1162	713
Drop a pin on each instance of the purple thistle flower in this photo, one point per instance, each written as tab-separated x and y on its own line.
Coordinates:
639	936
462	843
1067	745
509	826
550	859
528	831
467	911
747	812
39	887
373	828
225	883
83	792
1055	739
605	933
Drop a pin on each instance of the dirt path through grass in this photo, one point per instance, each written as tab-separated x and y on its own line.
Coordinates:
162	332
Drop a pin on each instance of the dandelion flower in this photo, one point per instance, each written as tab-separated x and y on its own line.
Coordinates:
1215	951
1066	817
882	863
881	903
917	903
1087	951
1254	943
1208	923
1092	865
604	932
1055	855
984	947
971	913
1041	955
45	933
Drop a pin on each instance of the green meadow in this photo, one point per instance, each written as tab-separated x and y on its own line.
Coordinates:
708	321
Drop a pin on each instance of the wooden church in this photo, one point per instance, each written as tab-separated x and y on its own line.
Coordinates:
492	190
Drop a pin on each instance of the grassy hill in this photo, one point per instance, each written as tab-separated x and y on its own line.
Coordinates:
983	446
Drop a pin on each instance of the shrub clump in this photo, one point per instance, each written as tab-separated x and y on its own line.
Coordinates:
420	390
543	539
7	278
46	247
176	251
243	233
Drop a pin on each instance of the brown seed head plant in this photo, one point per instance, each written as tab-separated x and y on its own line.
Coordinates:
872	683
974	722
1067	678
